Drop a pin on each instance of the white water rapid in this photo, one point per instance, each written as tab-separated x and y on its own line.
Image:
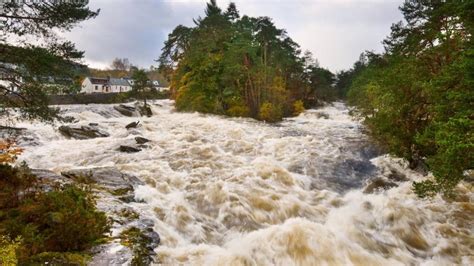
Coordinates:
228	191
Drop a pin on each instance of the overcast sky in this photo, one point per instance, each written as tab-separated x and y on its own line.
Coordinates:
335	31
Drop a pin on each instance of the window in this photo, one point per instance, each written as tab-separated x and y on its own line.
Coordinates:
96	87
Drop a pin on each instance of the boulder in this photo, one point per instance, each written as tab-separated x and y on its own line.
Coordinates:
132	125
82	132
69	119
11	132
126	110
50	176
11	128
111	254
141	140
397	176
143	109
49	179
378	184
128	149
109	177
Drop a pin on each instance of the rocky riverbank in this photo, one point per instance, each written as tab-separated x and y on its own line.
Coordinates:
114	192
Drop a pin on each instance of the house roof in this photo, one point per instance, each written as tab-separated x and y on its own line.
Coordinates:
102	81
118	82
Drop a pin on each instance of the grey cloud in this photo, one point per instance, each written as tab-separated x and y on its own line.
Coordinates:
335	31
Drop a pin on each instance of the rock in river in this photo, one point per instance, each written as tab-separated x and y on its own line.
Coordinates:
132	125
141	140
126	110
378	184
145	110
82	132
128	149
106	176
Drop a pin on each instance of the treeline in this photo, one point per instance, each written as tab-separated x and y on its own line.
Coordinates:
417	97
241	66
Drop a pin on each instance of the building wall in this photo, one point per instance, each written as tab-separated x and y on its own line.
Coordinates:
88	87
120	88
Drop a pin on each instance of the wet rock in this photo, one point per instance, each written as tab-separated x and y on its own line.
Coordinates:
111	254
47	175
126	110
127	198
82	132
145	110
132	125
141	140
128	149
69	119
143	240
153	237
16	129
109	177
469	176
378	184
11	132
48	180
397	176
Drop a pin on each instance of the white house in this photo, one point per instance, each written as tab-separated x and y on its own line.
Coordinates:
94	85
113	85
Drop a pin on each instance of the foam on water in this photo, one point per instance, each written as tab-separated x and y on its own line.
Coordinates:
240	192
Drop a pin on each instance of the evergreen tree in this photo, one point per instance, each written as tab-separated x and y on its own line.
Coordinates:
418	97
24	66
140	84
228	64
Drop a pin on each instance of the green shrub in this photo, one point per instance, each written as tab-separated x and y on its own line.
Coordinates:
298	107
238	111
8	250
270	113
62	220
16	184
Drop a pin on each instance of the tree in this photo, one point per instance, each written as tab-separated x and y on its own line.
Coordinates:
417	97
140	84
228	64
121	64
24	65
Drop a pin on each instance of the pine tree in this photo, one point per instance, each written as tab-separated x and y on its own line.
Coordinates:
25	66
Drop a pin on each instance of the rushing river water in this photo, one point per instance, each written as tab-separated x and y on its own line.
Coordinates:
240	192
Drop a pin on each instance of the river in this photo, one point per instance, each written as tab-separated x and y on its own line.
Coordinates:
235	191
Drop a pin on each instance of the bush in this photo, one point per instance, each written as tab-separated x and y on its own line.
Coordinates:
270	113
298	107
16	184
59	258
62	220
238	111
8	250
